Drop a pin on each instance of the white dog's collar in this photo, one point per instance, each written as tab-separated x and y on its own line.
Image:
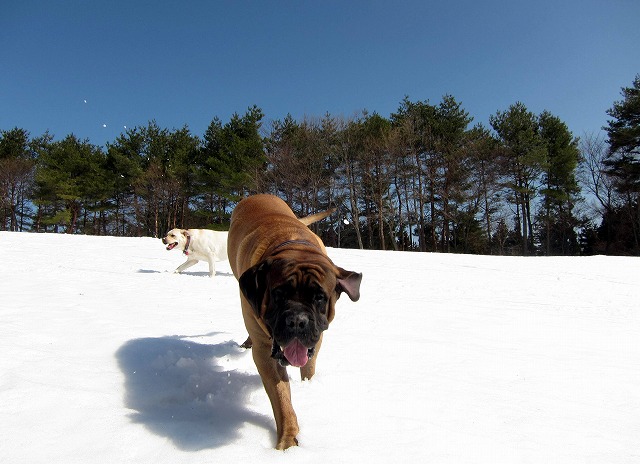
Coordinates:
186	247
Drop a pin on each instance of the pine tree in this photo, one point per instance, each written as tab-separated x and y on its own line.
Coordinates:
560	187
70	179
124	166
623	162
524	153
232	156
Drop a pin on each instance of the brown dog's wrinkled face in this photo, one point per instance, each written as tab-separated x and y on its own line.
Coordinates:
296	301
174	238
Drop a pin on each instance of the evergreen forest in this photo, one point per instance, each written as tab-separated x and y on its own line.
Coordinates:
425	178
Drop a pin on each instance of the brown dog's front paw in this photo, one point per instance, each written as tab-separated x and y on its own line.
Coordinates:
247	343
286	442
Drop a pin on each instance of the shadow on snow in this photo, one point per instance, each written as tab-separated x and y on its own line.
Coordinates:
193	273
180	389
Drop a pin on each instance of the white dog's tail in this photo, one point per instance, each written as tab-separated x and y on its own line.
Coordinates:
308	220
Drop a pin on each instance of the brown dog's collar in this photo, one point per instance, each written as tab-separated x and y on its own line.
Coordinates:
186	247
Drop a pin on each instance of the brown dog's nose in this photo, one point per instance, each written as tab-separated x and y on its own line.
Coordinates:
298	322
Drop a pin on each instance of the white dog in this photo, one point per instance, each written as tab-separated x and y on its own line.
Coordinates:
198	245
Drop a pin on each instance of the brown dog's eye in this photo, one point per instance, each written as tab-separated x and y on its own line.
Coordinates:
278	295
320	299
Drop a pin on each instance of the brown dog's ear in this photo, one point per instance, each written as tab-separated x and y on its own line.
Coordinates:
349	282
253	284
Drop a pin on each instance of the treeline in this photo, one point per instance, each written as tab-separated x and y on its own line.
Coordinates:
421	179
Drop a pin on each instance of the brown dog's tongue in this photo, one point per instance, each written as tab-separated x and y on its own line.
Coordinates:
296	353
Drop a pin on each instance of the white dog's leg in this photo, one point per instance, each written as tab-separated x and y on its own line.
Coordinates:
212	267
186	265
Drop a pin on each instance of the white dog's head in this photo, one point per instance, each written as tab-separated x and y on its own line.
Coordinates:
175	238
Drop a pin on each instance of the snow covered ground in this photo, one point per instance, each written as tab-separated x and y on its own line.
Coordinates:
109	357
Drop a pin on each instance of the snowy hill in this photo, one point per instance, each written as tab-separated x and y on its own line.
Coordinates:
109	357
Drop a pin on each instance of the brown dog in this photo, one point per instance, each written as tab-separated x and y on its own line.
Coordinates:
288	287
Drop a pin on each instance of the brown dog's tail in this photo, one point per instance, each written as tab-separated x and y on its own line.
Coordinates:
308	220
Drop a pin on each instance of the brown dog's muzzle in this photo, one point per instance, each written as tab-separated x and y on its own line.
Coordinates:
296	329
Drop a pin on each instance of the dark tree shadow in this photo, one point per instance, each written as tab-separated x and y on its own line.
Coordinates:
180	389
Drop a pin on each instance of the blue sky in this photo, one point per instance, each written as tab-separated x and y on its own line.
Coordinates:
186	62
